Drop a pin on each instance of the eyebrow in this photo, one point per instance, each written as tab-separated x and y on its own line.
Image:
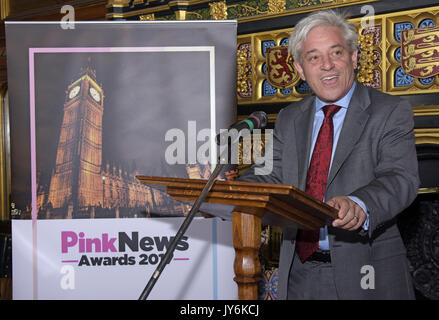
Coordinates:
332	47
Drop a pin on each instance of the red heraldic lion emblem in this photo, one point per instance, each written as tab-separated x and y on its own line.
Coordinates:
420	52
280	70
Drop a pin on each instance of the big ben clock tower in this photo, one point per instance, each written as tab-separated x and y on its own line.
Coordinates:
77	180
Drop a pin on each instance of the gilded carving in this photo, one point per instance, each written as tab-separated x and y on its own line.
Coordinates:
243	70
218	10
118	3
367	58
276	6
147	17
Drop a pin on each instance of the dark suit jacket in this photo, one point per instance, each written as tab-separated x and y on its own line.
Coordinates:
375	160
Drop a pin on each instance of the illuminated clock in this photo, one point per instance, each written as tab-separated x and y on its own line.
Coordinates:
95	94
74	92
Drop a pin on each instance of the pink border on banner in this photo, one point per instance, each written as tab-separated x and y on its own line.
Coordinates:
32	52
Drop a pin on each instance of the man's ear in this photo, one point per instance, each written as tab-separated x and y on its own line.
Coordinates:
299	70
354	58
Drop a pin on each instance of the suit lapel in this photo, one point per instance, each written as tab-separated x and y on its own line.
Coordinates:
353	125
303	126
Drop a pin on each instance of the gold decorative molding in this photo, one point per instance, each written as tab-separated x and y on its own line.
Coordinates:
432	110
180	14
118	3
147	17
427	136
428	190
4	9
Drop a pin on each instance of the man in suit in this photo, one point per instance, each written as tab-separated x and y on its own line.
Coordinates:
352	147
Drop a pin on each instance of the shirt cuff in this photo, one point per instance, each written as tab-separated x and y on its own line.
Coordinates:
365	225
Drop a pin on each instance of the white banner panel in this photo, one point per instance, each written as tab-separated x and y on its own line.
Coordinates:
114	259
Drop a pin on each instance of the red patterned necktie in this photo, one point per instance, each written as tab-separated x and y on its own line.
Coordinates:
308	240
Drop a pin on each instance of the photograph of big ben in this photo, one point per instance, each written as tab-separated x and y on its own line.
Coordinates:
81	180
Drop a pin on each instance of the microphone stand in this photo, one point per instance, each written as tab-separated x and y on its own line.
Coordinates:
169	252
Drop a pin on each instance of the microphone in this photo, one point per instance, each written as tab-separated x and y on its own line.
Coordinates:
256	120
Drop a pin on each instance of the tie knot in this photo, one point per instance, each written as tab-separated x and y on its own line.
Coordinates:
330	110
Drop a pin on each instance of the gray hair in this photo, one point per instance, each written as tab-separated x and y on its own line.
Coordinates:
328	18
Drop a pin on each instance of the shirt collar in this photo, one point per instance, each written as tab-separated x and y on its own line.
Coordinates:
343	102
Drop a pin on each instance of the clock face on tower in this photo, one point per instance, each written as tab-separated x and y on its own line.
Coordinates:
74	92
95	94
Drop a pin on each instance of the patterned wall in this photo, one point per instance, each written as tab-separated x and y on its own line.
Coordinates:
380	56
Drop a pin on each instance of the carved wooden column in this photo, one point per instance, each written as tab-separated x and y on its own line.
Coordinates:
247	241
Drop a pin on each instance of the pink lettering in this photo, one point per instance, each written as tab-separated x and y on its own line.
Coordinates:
68	239
108	244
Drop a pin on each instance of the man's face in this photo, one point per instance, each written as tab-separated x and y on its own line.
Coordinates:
327	65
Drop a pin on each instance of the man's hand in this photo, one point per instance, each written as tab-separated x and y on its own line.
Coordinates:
350	215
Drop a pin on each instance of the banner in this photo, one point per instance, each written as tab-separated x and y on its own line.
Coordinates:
94	106
114	259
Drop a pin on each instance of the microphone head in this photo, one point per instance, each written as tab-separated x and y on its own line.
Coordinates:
261	119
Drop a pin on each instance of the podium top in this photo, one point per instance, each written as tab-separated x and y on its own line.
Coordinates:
282	200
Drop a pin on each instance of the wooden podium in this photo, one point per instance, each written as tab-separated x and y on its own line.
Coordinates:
253	202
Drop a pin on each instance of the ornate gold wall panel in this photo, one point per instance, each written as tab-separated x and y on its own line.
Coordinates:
379	59
253	83
243	11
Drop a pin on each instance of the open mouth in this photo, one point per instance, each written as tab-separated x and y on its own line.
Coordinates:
330	80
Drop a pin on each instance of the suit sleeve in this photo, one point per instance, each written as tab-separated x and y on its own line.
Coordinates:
397	182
